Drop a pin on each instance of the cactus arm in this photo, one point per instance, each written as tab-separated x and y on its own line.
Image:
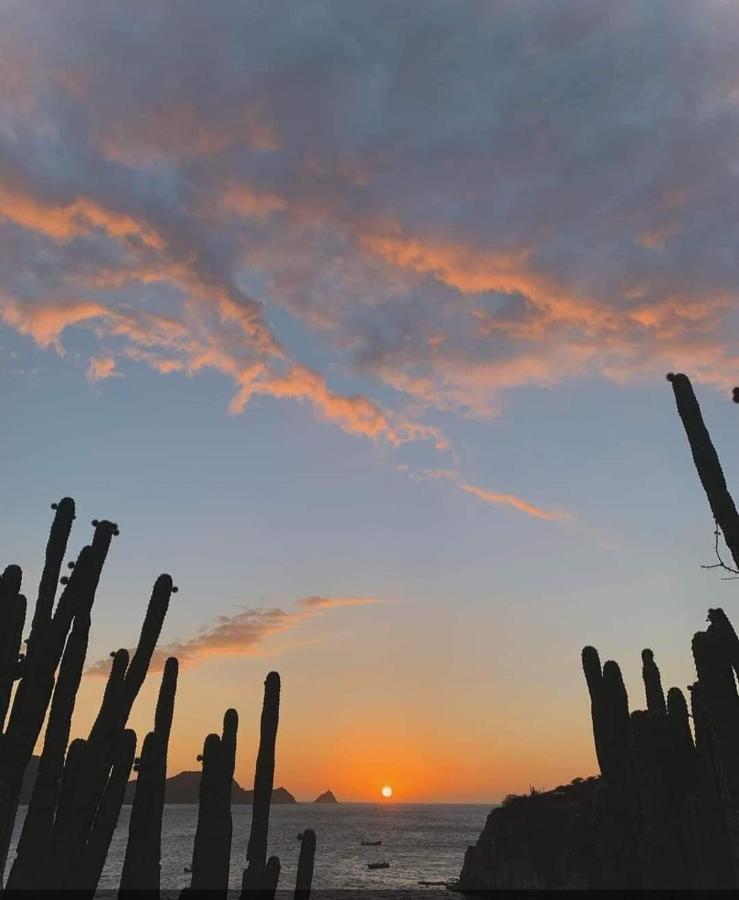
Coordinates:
10	585
86	584
70	778
256	851
165	701
141	866
653	684
9	657
271	877
212	848
707	463
56	547
150	630
306	857
85	879
206	871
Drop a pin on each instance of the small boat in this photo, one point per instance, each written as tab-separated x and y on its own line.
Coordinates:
380	864
370	843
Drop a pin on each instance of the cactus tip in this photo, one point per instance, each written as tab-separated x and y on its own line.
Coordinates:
174	589
735	395
670	376
95	523
64	580
199	757
55	506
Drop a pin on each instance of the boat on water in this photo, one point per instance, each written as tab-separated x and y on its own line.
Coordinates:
370	843
380	864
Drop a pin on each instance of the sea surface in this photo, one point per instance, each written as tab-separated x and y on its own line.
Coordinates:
422	842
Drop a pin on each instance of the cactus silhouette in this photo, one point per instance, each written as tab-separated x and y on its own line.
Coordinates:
69	839
212	847
707	462
46	643
653	684
306	858
106	816
37	826
141	866
262	874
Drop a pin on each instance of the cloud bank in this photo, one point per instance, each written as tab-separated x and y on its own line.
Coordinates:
456	199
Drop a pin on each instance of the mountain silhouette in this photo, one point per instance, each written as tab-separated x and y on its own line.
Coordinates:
185	788
326	797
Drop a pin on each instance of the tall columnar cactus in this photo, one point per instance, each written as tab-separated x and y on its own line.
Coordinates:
106	816
618	811
683	764
306	857
12	619
663	851
713	845
653	684
212	847
10	585
35	837
720	701
261	874
56	548
141	866
10	645
48	635
123	686
707	463
72	781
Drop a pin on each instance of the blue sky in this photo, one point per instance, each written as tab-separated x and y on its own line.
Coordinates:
360	315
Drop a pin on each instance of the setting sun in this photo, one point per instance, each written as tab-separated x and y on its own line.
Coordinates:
387	791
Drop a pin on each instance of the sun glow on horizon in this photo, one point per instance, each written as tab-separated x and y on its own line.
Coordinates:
387	792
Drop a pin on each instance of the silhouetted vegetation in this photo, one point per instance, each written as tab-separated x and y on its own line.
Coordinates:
80	786
665	811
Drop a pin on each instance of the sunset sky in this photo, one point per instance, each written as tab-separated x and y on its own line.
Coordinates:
355	317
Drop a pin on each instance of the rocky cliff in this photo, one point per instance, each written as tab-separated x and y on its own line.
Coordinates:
539	840
326	797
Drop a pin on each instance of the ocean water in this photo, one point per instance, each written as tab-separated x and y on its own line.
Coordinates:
420	841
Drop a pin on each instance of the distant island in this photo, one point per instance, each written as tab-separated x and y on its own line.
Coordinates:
185	788
326	797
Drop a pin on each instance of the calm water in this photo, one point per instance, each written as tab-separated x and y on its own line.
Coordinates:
420	841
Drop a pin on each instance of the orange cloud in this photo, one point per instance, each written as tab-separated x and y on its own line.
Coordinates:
493	497
355	414
240	634
45	322
511	500
63	221
101	367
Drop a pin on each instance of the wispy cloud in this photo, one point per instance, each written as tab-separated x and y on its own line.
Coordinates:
493	497
242	633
